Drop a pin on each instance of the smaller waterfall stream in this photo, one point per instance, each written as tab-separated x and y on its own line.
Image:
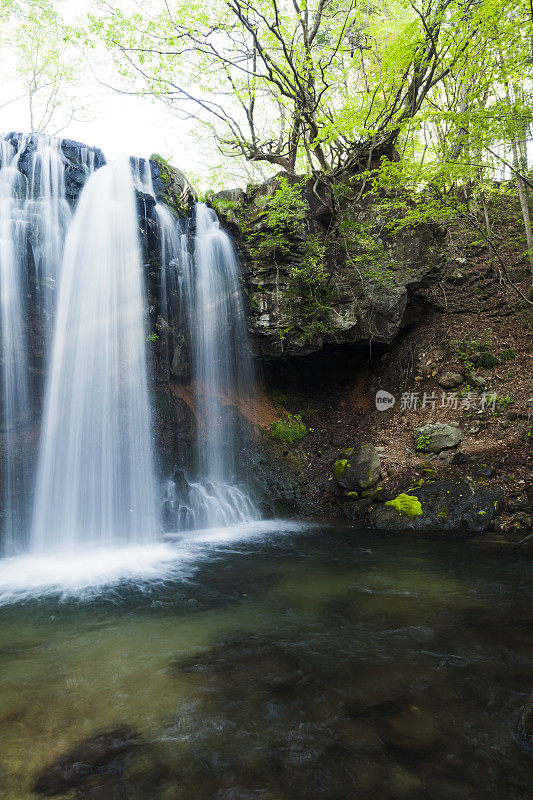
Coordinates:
210	305
49	214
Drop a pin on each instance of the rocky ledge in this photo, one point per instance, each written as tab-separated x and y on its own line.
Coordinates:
313	281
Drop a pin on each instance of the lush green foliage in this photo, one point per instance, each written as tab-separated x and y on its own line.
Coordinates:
37	49
289	430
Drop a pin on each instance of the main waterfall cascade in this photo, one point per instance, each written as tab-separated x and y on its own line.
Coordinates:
16	406
34	217
96	478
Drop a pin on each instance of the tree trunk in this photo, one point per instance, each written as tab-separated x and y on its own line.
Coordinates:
524	206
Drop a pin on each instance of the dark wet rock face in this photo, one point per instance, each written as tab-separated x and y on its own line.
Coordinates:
460	504
85	759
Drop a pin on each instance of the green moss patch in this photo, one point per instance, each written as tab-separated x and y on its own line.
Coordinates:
407	503
289	430
340	467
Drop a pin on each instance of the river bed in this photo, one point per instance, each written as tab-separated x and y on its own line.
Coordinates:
292	663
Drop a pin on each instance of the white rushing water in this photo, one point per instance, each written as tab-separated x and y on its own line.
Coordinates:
96	476
86	572
222	361
90	512
16	406
212	312
49	215
34	217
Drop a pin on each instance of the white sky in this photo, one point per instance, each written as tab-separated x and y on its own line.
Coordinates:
119	123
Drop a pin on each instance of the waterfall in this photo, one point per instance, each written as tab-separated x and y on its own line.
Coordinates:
49	214
16	407
95	479
172	256
72	308
211	305
222	362
201	299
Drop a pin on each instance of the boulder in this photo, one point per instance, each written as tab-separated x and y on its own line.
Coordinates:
434	437
357	468
459	458
171	186
449	380
449	505
356	510
475	380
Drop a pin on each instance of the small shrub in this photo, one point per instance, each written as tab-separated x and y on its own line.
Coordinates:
423	443
289	430
507	355
504	401
487	360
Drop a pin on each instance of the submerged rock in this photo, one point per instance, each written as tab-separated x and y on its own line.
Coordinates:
412	731
85	759
525	723
458	504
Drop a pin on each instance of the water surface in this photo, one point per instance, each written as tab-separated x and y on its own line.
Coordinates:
320	664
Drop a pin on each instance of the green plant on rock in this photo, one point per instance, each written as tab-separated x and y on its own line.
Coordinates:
365	252
423	443
289	430
285	213
229	208
407	503
284	233
308	292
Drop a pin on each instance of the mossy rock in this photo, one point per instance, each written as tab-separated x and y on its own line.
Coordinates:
425	471
358	468
449	505
406	503
434	437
